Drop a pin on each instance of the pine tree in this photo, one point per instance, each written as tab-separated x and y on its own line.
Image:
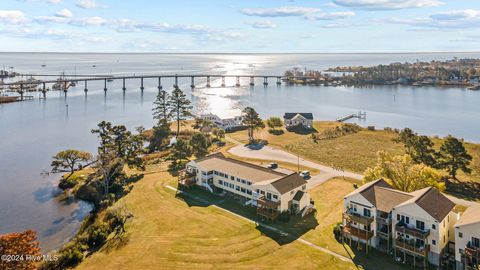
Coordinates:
252	121
199	144
180	107
453	157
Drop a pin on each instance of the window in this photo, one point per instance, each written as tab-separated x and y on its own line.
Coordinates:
243	190
275	197
232	178
398	217
237	188
262	192
220	182
249	183
444	238
407	220
249	192
226	175
215	172
353	207
460	234
434	227
225	184
475	242
238	180
367	212
210	173
434	242
420	225
269	195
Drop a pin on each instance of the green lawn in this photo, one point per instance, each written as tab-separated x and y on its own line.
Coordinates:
170	231
173	233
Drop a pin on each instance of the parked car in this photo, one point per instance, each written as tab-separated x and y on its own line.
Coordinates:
305	174
272	165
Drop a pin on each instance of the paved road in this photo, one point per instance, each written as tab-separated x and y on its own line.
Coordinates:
326	172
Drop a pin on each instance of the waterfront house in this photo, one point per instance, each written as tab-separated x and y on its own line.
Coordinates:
304	120
270	191
417	226
223	123
467	240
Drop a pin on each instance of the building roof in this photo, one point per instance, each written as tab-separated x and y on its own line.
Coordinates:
298	196
469	217
381	195
308	116
289	182
432	201
241	169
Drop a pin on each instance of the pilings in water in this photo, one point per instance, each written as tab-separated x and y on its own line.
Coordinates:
141	84
265	81
65	89
86	87
223	81
252	81
160	87
192	85
237	84
123	87
208	82
105	85
279	81
176	82
44	91
21	91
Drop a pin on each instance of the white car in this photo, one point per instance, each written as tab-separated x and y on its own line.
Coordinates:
305	174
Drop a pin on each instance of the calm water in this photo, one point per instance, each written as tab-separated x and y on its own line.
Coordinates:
31	132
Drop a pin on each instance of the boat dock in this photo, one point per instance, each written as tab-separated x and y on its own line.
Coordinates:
359	115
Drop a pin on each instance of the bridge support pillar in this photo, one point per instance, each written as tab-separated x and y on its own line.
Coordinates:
223	81
208	82
65	89
44	91
279	81
252	81
160	87
176	82
192	85
86	87
237	84
21	92
141	84
105	85
265	81
123	87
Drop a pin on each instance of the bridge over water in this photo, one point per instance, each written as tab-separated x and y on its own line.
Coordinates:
65	81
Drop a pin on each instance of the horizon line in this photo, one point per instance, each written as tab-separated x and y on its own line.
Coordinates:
241	53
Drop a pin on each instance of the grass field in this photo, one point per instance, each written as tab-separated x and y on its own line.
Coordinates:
178	232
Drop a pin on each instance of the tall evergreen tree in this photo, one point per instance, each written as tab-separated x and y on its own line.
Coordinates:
420	148
179	154
453	157
162	109
180	107
252	121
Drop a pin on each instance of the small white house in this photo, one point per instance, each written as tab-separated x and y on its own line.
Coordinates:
223	123
298	119
467	239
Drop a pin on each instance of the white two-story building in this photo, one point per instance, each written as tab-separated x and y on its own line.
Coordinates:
416	225
467	240
270	191
224	123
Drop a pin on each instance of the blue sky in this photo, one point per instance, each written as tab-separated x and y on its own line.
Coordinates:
240	26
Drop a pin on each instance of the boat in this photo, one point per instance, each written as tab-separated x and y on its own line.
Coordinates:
44	65
474	87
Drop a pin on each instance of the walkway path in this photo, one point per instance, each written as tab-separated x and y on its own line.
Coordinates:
326	172
303	241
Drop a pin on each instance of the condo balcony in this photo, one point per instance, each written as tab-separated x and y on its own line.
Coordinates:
412	247
350	215
357	232
472	251
412	231
384	218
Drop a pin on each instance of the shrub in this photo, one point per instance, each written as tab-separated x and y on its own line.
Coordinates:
67	183
371	128
97	235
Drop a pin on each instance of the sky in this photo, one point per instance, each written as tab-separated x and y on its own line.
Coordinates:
240	26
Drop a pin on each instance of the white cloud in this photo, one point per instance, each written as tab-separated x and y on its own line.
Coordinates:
264	24
55	2
88	21
387	4
12	16
64	13
330	16
454	19
87	4
279	12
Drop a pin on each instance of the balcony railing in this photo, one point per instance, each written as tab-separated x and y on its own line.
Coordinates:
410	246
384	218
356	217
357	232
472	251
403	228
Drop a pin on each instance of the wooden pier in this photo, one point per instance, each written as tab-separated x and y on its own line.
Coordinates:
359	115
